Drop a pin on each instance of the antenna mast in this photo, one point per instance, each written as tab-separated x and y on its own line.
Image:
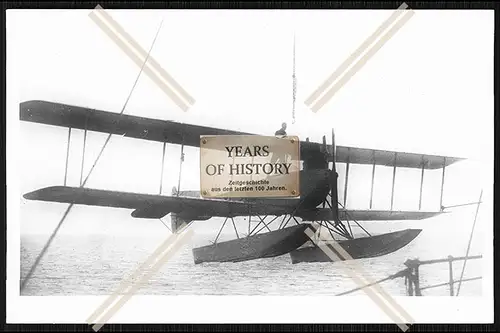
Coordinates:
294	83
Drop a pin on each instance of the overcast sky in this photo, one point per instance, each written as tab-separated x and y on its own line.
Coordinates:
428	90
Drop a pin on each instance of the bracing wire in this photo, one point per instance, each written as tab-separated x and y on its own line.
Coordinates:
125	104
165	225
66	213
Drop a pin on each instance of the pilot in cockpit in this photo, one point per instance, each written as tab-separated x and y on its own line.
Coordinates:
282	131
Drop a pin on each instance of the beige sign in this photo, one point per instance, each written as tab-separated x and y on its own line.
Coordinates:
238	166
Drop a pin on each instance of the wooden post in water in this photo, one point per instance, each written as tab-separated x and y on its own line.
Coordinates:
450	265
418	292
410	282
409	277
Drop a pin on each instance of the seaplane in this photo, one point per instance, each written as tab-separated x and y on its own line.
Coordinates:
318	201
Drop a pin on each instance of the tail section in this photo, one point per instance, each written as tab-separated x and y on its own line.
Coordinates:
176	221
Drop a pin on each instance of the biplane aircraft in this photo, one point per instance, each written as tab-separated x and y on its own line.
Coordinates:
318	201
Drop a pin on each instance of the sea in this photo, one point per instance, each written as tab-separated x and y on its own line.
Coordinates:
96	264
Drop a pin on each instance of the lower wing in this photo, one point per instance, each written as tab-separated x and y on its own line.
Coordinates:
369	215
151	206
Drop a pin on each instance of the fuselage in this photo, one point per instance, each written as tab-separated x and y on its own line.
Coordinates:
314	188
315	185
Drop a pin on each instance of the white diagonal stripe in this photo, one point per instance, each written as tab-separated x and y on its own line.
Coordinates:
166	256
312	101
137	54
362	61
130	285
361	280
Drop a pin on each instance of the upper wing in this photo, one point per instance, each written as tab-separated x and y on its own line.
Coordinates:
148	205
369	215
58	114
391	158
108	122
65	115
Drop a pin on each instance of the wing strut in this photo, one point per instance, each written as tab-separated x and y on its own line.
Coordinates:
83	152
67	157
162	165
442	186
393	179
373	180
421	184
180	170
346	176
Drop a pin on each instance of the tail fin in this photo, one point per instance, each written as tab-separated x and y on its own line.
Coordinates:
177	222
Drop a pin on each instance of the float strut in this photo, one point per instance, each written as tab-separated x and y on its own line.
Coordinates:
235	230
220	230
288	221
262	220
265	225
282	221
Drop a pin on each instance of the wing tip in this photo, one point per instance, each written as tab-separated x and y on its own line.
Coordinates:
33	195
41	193
33	103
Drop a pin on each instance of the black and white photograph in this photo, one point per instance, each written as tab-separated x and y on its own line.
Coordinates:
355	166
